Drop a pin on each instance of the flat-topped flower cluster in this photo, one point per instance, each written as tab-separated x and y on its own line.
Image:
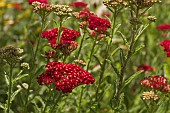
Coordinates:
65	76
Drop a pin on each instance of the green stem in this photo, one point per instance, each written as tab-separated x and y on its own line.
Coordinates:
123	69
106	55
81	44
91	54
88	64
55	104
46	102
10	88
81	95
59	30
33	63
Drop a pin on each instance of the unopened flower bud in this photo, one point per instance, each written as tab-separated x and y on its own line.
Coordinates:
152	18
25	65
150	95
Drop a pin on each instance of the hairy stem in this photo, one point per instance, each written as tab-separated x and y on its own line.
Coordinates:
81	44
88	65
55	104
33	64
106	55
10	88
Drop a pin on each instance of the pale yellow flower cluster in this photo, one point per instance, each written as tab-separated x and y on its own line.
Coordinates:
115	3
80	62
150	95
62	10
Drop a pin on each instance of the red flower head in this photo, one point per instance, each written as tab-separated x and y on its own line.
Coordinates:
67	39
156	82
98	24
65	76
145	68
164	27
41	1
105	14
78	4
166	45
17	6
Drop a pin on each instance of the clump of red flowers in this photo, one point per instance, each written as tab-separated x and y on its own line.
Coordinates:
41	1
163	27
98	24
67	40
157	83
65	76
145	68
166	45
78	4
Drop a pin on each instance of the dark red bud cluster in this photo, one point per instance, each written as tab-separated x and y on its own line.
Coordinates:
145	68
166	45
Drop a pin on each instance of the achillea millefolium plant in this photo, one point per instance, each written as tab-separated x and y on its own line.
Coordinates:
106	56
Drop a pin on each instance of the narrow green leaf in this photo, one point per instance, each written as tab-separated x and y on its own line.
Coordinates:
141	31
163	107
116	28
122	57
124	38
113	52
131	78
40	100
2	106
15	93
167	71
145	104
108	19
46	25
6	79
115	69
98	60
138	48
40	70
19	77
109	40
107	87
19	73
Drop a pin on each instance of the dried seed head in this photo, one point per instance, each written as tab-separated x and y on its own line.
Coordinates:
135	21
11	54
147	3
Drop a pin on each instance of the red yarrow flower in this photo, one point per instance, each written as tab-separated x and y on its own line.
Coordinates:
166	45
156	82
145	68
67	39
163	27
41	1
78	4
98	24
65	76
